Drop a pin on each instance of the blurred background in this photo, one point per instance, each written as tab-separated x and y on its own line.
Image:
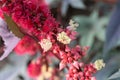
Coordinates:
98	28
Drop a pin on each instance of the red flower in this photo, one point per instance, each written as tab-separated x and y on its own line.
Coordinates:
1	14
34	69
31	15
26	45
49	25
81	71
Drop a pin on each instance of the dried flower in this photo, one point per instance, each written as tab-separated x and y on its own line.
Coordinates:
99	64
46	44
63	38
73	25
45	73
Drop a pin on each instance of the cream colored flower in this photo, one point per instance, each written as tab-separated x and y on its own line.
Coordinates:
45	74
73	25
63	38
99	64
46	44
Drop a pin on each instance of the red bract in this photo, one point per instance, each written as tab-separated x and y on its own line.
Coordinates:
26	45
71	33
62	65
49	25
1	13
31	15
34	69
81	71
70	55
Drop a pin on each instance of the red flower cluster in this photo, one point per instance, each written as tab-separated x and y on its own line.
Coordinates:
81	71
34	69
35	20
26	45
1	14
71	55
31	15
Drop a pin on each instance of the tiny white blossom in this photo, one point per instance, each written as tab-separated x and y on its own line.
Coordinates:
73	25
63	38
99	64
46	44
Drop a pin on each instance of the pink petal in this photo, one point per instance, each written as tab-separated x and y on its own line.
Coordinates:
62	65
76	64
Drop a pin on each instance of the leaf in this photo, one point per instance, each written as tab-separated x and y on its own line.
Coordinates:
88	39
111	66
86	22
101	34
64	8
77	4
115	75
113	31
94	16
49	1
99	28
118	43
15	68
10	40
13	27
74	3
86	28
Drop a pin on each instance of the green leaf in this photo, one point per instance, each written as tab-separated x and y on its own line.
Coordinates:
101	35
77	4
64	7
13	27
115	75
99	28
113	31
74	3
88	39
86	22
112	65
85	25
